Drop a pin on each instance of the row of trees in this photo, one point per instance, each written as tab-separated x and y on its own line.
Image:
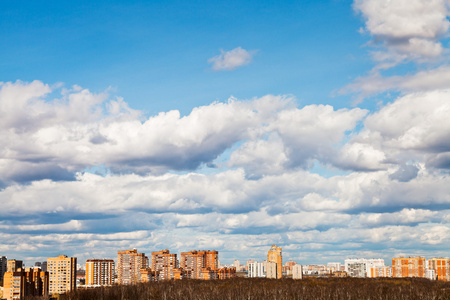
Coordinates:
261	288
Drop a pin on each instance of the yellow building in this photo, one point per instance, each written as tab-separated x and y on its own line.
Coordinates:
13	265
441	267
20	284
409	267
129	265
274	256
99	272
63	274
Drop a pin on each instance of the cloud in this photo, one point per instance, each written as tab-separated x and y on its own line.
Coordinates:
297	137
262	190
83	130
415	127
422	81
409	30
230	60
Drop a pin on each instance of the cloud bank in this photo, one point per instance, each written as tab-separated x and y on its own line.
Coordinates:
86	172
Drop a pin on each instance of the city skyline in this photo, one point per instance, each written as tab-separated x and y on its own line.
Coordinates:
322	128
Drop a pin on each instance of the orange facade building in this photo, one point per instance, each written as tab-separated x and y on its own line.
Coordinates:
409	267
165	263
226	273
129	265
99	272
441	267
19	284
195	264
275	256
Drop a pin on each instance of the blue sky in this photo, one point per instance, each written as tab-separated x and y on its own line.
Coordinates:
320	126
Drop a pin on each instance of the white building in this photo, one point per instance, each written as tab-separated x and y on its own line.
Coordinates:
256	269
362	267
271	270
297	272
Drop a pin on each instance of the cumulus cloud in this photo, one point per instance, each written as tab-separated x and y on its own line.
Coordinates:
408	29
396	192
83	130
298	136
230	60
414	127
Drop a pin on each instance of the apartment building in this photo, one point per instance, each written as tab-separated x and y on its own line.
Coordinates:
164	262
297	272
409	267
129	265
19	284
13	265
100	272
225	273
271	270
275	256
193	262
362	267
256	269
441	267
62	274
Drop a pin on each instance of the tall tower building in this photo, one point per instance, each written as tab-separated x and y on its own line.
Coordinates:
274	256
129	264
63	274
164	263
99	272
193	262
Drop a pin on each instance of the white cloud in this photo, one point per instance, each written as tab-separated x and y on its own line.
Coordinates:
409	29
270	196
230	60
415	127
426	80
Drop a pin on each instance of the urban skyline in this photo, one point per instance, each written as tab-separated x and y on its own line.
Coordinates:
319	126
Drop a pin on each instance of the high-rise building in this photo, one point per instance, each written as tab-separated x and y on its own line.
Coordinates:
441	266
356	269
409	267
63	274
129	264
297	272
19	284
275	256
193	262
99	272
13	265
271	270
164	262
3	264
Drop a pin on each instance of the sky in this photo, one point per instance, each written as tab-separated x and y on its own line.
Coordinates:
320	126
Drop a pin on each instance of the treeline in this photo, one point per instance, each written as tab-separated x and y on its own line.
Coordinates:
261	288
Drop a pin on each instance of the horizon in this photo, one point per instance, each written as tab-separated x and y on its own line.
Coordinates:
322	128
